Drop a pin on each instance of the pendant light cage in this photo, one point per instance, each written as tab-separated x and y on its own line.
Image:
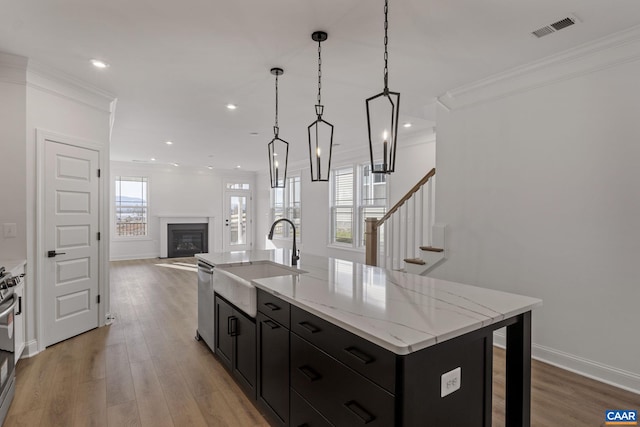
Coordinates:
320	131
278	149
383	111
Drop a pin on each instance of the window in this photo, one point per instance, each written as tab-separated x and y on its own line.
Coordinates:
342	206
354	200
285	203
131	206
238	186
373	198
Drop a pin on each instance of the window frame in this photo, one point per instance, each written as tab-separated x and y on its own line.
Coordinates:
147	235
287	207
357	207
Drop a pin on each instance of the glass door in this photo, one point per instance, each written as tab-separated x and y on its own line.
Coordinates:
237	230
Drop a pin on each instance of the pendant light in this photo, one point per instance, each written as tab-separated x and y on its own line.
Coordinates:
382	116
320	131
278	148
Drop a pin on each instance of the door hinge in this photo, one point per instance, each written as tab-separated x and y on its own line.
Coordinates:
98	235
98	299
98	173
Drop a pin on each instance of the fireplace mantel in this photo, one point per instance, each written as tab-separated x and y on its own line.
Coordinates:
167	219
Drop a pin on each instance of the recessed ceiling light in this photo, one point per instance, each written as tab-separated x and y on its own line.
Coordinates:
231	106
99	64
407	125
238	167
209	167
153	159
169	142
175	164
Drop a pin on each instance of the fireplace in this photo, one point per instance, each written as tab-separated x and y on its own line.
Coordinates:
184	240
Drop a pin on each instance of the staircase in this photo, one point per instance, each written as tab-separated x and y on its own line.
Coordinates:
406	238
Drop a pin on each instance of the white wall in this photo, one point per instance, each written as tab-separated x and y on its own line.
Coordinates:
13	113
36	99
540	193
173	191
415	157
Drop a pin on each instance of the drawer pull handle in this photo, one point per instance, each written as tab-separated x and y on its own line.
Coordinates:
359	412
310	373
232	326
309	327
271	324
272	306
359	355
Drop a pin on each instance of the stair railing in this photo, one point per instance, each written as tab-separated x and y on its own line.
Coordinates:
405	227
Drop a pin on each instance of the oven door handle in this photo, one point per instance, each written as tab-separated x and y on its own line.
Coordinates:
13	305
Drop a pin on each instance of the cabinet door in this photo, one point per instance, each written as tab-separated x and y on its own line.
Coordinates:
223	325
244	357
273	368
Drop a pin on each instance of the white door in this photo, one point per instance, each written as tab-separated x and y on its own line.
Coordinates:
237	220
71	192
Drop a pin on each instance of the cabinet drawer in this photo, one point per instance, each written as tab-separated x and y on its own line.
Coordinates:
274	307
303	414
344	397
372	361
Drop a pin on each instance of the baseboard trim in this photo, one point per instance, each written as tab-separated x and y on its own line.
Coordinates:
625	380
134	256
30	349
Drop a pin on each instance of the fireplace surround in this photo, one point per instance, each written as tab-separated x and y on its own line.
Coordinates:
166	219
185	240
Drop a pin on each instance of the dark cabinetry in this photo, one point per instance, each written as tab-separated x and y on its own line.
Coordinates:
235	343
343	396
273	358
307	372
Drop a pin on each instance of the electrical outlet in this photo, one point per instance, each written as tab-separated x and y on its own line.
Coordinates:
10	229
450	382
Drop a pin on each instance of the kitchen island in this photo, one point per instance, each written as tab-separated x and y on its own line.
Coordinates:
344	343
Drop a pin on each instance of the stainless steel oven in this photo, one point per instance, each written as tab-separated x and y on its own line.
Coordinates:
8	301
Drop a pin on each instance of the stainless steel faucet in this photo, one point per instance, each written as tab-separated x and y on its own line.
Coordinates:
295	256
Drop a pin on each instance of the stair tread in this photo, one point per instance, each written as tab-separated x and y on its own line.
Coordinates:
417	261
431	249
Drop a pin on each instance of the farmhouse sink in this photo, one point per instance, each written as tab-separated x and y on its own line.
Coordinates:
233	281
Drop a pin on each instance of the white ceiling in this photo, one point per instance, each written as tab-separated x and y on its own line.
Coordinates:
174	65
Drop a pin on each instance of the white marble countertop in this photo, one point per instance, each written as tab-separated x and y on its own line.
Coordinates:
13	265
398	311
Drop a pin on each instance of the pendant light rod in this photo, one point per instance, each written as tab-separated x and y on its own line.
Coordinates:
386	42
319	36
382	116
320	131
276	72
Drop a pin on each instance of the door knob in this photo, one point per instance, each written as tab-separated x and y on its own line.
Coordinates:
51	254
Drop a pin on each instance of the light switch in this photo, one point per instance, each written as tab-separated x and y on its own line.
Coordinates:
450	382
10	229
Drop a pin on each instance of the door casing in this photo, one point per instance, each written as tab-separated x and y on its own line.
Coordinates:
42	136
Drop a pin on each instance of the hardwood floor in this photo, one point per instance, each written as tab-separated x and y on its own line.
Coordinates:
146	369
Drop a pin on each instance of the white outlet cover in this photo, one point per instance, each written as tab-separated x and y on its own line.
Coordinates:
450	382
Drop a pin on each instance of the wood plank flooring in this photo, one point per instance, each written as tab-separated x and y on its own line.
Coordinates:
146	369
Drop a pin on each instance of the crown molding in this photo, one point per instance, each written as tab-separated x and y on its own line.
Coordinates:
609	51
55	82
13	68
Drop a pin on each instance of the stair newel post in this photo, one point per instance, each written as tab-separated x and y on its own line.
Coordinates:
371	241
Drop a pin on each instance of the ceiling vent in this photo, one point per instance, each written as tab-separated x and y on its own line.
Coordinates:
556	26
